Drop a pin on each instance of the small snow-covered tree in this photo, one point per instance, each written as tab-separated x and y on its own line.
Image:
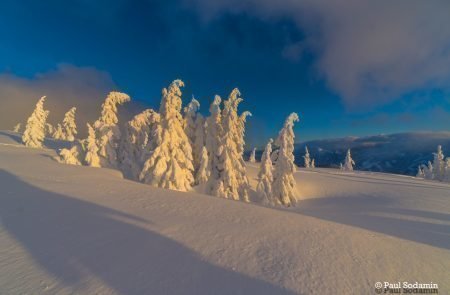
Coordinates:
107	131
341	167
265	176
34	133
202	175
70	156
284	185
17	127
420	173
58	132
306	158
447	170
428	171
252	158
49	129
213	144
313	163
349	163
438	164
170	165
132	147
193	126
69	126
92	159
233	177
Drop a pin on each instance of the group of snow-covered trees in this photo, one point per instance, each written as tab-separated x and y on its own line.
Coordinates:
176	148
37	127
438	170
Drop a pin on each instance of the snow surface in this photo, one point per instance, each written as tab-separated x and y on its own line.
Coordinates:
81	230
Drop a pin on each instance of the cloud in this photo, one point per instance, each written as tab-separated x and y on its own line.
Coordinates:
65	87
369	52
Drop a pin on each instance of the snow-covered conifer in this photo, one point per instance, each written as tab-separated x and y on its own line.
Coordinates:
213	143
170	165
428	171
58	132
203	171
92	159
69	126
233	177
107	131
447	170
349	163
70	156
313	163
34	133
193	126
252	158
438	164
265	176
420	173
133	144
17	127
284	185
49	129
341	167
306	158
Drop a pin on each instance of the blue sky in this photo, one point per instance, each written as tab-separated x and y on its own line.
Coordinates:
348	70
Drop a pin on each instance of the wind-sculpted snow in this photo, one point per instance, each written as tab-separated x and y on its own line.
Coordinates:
81	230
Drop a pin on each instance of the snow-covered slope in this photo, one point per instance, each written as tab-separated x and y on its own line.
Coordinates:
80	230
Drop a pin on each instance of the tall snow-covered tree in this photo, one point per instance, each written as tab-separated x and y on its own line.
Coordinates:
69	126
17	127
92	159
284	185
213	143
265	176
107	131
349	163
170	165
34	133
252	158
438	164
202	175
132	147
193	126
306	158
233	182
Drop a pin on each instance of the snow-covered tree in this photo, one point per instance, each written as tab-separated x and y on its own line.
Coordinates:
284	185
202	175
34	133
265	176
438	164
306	158
252	158
69	126
107	131
58	132
233	177
274	156
170	165
349	163
420	173
132	147
70	156
447	170
213	143
341	167
313	163
193	126
92	159
17	127
428	171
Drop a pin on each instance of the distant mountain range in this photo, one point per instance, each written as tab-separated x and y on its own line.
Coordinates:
394	153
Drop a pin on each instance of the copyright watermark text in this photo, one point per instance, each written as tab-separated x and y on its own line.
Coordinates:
406	288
